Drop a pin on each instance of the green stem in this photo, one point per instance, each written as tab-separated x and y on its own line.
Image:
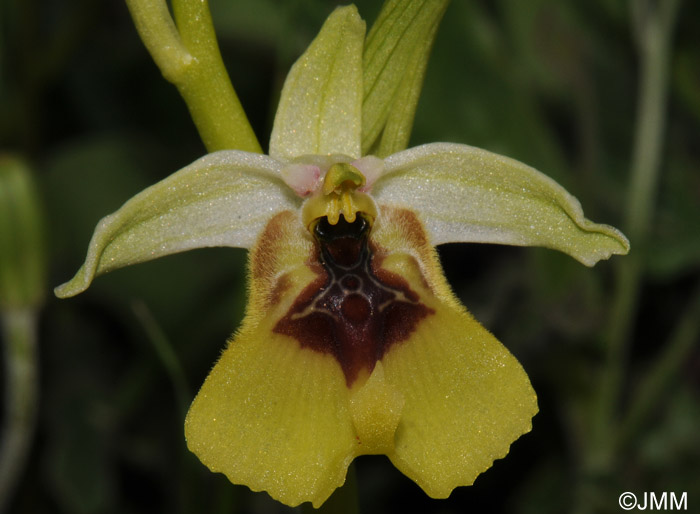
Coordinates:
655	49
19	332
655	35
166	355
676	350
188	56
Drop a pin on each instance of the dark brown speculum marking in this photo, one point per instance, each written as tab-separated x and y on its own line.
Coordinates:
352	311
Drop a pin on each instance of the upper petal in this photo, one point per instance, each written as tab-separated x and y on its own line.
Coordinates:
222	199
320	109
465	194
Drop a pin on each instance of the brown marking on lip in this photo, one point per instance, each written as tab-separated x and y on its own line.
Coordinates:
353	310
277	251
412	227
268	244
281	286
414	244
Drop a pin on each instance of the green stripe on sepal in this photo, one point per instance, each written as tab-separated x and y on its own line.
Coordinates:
222	199
465	194
320	106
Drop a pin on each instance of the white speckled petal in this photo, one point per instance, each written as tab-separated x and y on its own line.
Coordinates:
222	199
465	194
320	109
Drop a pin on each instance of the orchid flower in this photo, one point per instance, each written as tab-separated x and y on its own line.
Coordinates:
353	342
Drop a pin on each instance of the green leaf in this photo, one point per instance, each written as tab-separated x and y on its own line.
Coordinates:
395	58
465	194
320	107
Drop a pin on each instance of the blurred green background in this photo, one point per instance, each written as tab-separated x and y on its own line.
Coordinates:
554	84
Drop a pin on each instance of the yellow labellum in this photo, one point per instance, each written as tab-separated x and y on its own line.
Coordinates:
284	413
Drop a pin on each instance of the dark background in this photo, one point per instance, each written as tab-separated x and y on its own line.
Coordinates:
551	83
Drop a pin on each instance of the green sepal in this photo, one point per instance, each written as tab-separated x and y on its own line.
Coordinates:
320	106
394	62
222	199
469	195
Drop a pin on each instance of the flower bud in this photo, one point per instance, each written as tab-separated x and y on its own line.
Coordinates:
22	259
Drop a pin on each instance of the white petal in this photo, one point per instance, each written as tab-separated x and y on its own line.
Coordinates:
371	167
465	194
320	107
222	199
302	178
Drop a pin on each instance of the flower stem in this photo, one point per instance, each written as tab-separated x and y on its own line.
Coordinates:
19	333
655	382
166	354
654	30
188	56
